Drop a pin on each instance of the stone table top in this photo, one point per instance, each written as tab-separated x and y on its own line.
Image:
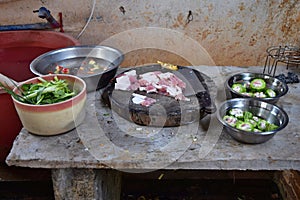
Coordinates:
105	140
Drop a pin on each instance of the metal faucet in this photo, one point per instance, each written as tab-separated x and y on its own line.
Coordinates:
43	13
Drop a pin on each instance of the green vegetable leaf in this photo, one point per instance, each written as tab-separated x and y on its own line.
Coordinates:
44	92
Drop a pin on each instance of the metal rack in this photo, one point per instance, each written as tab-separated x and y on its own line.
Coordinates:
289	55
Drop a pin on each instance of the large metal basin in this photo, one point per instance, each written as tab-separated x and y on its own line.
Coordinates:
73	58
269	112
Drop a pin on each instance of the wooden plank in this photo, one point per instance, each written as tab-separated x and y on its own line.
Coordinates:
288	183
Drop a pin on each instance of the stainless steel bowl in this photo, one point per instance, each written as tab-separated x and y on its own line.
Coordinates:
271	113
275	84
74	57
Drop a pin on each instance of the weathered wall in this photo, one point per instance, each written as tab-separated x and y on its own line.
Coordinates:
233	32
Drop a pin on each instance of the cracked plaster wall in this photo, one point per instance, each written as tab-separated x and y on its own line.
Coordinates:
233	32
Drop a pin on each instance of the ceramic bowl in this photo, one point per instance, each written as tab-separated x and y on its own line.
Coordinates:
269	112
56	118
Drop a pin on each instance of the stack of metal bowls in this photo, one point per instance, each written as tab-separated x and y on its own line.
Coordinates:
264	108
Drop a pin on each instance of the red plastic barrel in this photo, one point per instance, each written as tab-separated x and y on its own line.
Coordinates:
17	50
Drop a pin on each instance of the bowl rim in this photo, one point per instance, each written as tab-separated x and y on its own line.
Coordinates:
79	96
285	86
66	49
265	133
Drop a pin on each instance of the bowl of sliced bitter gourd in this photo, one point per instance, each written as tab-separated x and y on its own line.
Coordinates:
251	121
256	86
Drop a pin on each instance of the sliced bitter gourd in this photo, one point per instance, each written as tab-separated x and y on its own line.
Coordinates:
256	130
247	121
271	127
258	84
248	115
262	124
271	93
245	126
237	112
254	123
239	88
230	120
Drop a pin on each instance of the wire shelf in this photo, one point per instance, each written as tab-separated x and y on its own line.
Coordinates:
289	55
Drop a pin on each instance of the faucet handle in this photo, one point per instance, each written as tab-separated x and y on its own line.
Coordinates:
43	12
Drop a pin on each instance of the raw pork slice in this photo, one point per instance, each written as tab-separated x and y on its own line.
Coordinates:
127	81
163	83
167	84
142	100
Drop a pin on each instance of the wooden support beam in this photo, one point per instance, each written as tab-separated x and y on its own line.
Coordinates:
288	182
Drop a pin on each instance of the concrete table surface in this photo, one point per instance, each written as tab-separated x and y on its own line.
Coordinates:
107	141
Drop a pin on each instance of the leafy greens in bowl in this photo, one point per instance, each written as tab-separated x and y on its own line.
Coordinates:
51	104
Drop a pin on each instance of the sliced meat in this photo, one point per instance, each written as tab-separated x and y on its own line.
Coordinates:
153	82
127	81
142	100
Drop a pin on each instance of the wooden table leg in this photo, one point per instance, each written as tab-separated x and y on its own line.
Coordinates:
288	183
73	183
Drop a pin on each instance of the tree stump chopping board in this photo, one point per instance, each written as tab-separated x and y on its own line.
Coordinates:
166	111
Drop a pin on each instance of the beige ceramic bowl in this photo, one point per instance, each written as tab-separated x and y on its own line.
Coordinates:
57	118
